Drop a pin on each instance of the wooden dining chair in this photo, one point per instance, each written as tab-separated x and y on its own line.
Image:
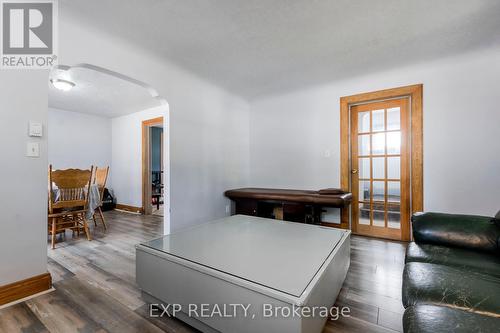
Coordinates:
68	201
100	179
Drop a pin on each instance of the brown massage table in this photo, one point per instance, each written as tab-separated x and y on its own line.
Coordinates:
291	205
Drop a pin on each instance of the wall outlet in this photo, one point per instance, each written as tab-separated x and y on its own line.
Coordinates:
33	149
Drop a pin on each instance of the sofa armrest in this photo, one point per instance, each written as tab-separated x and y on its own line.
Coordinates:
463	231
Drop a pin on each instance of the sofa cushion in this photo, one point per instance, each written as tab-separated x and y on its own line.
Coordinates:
496	219
432	319
471	232
468	260
425	283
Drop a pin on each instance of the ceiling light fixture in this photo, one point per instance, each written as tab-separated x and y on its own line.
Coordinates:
62	84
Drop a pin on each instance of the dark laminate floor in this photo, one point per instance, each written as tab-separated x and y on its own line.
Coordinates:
96	291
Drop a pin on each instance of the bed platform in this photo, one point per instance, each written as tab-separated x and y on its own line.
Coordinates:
266	265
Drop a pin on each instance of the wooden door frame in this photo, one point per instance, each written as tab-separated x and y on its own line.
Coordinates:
146	176
415	93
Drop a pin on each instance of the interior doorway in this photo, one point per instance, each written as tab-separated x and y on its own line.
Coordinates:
111	105
380	175
381	139
153	171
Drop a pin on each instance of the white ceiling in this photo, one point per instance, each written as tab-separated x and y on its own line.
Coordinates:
264	46
99	93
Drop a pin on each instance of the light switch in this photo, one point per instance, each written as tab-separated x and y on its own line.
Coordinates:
35	129
33	149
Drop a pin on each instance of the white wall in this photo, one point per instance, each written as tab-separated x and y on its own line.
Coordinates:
208	137
207	127
23	194
78	140
127	155
211	157
290	133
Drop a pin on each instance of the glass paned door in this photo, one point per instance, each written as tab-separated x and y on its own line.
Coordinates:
380	173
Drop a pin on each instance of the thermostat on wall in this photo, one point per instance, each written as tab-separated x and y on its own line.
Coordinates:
35	129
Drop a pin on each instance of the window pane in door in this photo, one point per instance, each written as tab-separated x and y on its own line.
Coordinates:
364	145
364	168
378	191
364	122
364	190
364	213
393	142
379	167
394	167
378	144
378	214
394	218
393	192
393	119
378	120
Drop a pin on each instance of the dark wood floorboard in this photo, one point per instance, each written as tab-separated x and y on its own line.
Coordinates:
96	289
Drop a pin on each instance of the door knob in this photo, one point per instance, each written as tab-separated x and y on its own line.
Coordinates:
354	171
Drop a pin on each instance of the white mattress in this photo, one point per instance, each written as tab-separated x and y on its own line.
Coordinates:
284	256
